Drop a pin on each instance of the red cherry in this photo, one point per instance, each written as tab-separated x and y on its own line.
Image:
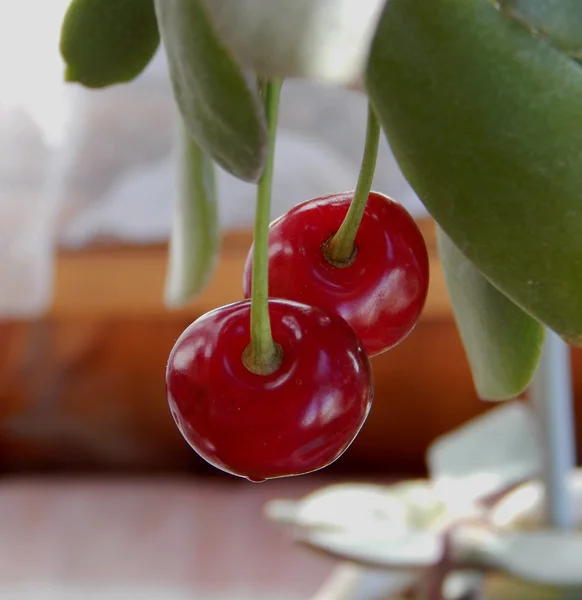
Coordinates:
299	419
380	294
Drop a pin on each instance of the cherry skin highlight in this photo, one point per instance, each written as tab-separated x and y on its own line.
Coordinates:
380	292
299	419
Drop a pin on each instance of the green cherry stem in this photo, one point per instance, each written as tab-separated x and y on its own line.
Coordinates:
263	356
339	249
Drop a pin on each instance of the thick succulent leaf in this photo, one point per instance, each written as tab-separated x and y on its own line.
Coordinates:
327	40
465	465
392	509
343	506
557	21
485	121
503	343
501	587
105	42
353	582
413	550
547	557
525	507
195	238
220	105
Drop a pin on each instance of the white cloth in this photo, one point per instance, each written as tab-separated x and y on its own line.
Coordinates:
80	165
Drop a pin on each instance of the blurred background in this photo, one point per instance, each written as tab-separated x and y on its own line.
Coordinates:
99	495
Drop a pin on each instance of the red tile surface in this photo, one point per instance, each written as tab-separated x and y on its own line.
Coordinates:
163	538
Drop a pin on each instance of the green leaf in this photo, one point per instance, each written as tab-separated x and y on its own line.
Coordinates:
557	21
105	42
219	104
486	123
503	344
195	239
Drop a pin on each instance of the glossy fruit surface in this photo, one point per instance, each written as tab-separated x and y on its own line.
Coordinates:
381	293
299	419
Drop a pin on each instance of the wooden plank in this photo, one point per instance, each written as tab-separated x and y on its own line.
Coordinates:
129	280
84	387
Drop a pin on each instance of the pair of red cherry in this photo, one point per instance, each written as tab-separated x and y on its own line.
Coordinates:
326	319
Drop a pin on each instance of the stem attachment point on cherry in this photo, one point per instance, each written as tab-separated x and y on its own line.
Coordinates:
263	356
340	250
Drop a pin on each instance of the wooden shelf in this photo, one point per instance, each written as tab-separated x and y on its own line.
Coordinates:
84	387
129	280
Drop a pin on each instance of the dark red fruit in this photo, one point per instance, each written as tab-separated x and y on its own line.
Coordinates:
299	419
380	294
